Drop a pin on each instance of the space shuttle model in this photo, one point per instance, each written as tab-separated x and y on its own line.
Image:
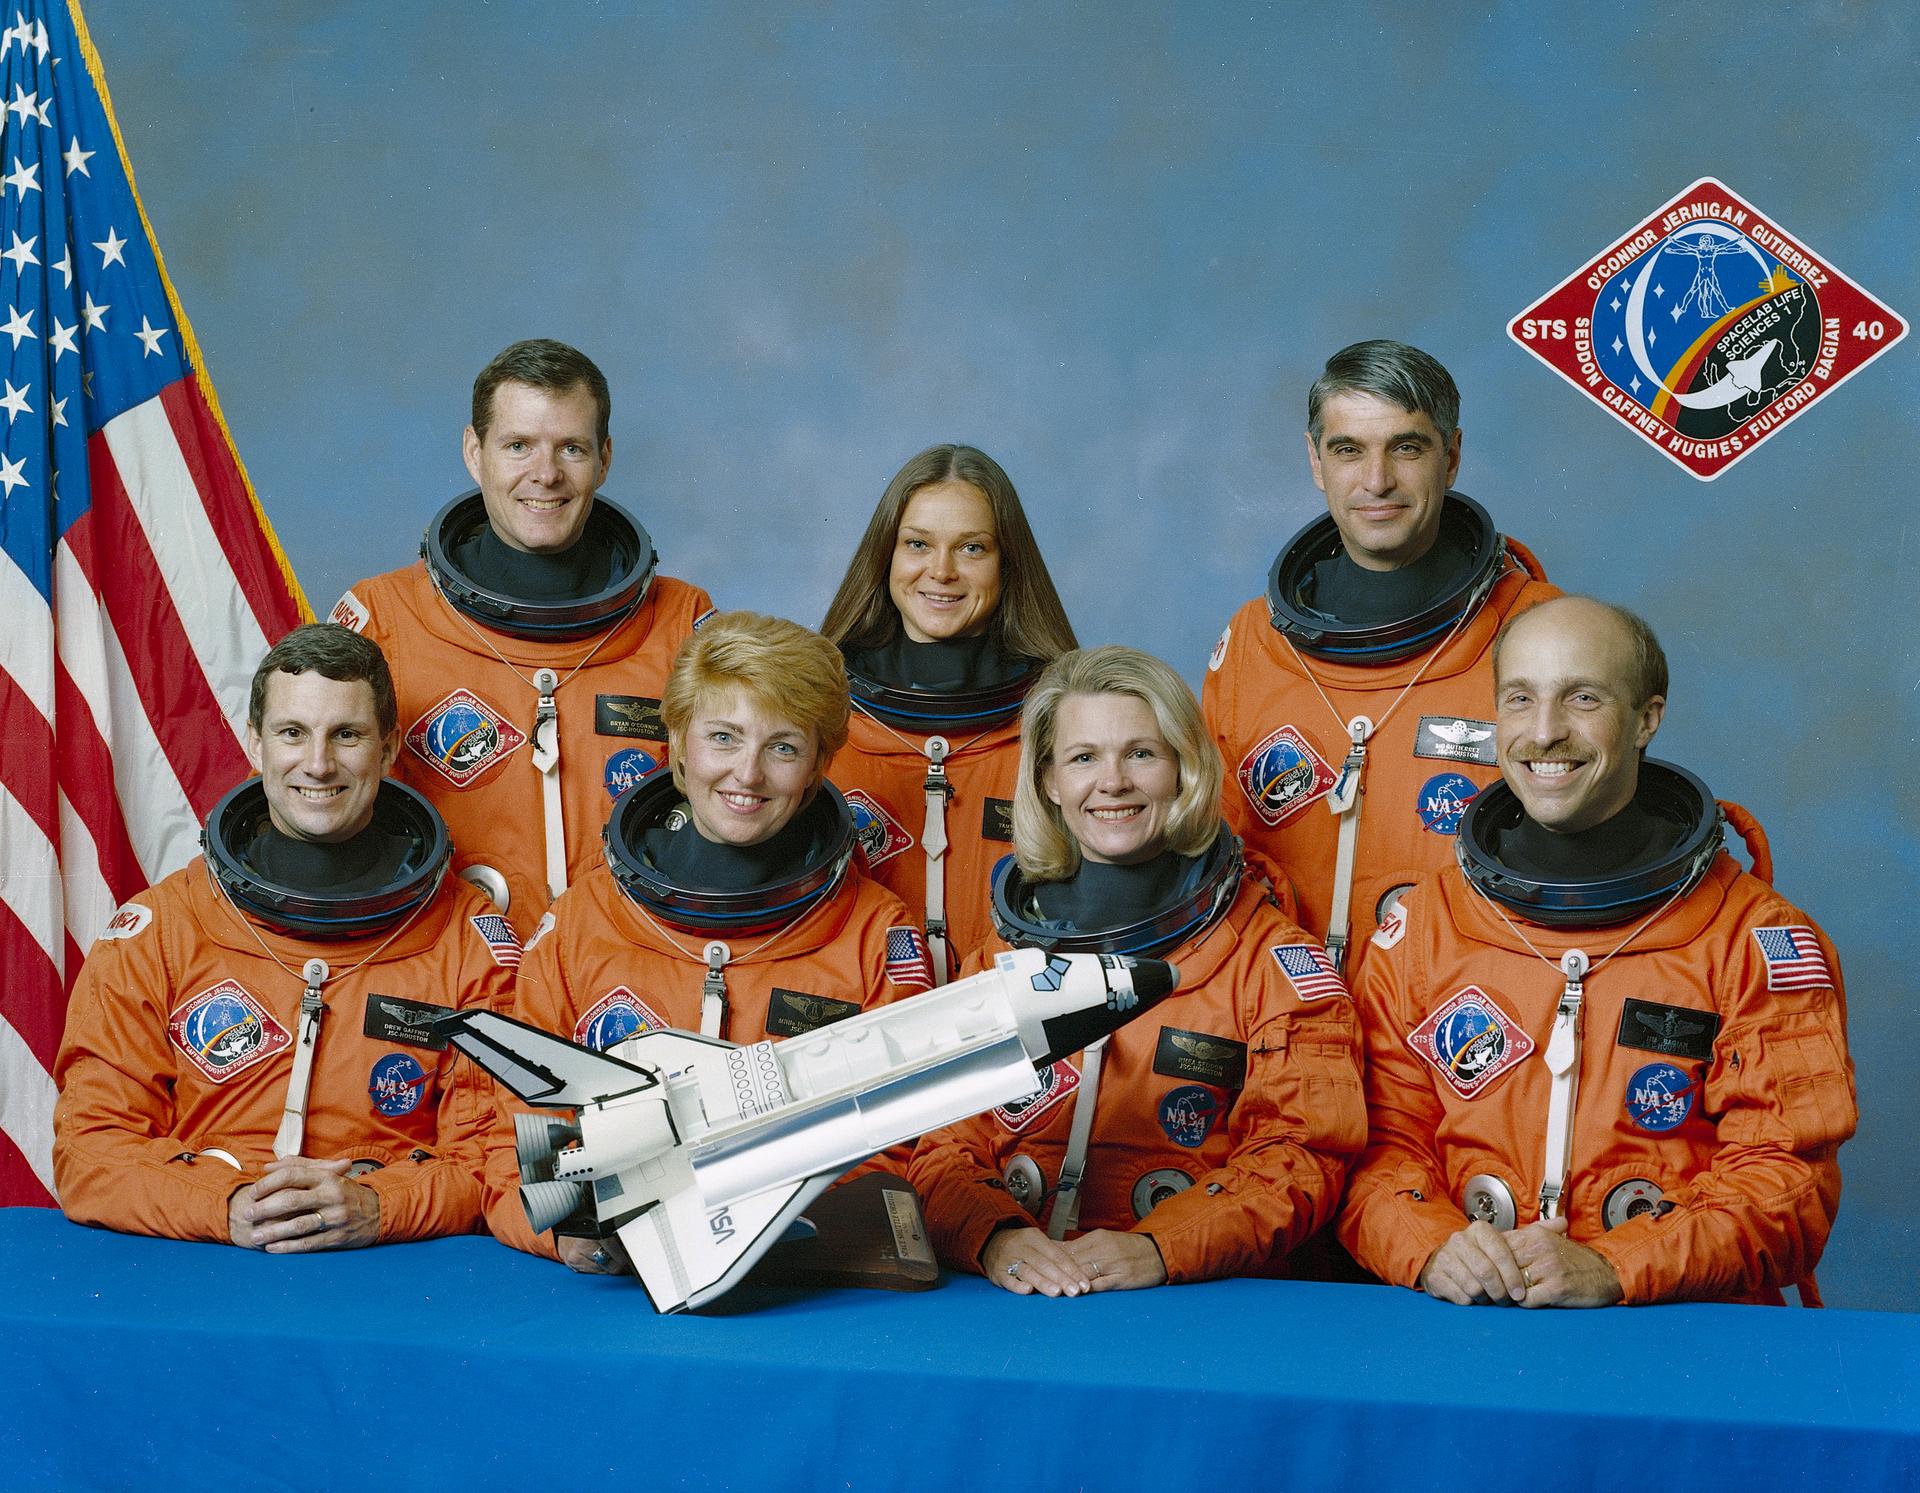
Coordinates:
701	1154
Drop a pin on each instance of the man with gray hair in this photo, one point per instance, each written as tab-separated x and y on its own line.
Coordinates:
1353	703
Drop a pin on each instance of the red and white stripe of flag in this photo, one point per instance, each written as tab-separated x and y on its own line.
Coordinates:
123	715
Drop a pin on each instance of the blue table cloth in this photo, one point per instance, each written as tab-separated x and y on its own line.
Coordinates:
128	1362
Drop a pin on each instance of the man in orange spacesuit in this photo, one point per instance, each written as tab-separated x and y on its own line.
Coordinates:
1603	1062
1352	703
530	641
247	1055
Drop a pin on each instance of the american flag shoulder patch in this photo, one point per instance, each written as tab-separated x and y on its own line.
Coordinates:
499	937
1794	959
907	961
1308	970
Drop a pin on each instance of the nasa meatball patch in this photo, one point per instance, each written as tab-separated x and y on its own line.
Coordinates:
225	1030
462	737
397	1084
1470	1041
1442	799
627	767
1189	1113
1283	775
1660	1097
1706	328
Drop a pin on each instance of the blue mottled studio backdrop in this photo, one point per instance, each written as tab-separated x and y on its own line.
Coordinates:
1112	245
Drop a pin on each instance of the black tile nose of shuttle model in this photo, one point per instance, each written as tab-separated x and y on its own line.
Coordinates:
1134	986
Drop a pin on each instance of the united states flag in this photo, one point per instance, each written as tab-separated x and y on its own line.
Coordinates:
1794	960
1308	970
139	581
499	936
907	962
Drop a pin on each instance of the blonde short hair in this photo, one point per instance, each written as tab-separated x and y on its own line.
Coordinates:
1041	843
780	665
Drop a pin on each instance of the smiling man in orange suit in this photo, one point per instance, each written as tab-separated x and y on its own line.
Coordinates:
1604	1063
531	639
247	1056
1353	702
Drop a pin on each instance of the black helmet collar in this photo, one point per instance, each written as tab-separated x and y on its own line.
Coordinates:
774	905
1326	637
608	525
1666	791
309	913
1203	897
923	710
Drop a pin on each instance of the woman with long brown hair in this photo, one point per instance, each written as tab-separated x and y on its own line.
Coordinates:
946	615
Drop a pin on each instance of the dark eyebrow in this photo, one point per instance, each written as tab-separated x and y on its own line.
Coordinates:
508	433
1125	746
1598	685
968	534
1419	437
280	722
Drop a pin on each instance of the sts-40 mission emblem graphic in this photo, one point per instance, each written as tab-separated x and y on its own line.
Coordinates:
1707	328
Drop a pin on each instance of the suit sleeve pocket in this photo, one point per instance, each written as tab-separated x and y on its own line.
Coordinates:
1791	1084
